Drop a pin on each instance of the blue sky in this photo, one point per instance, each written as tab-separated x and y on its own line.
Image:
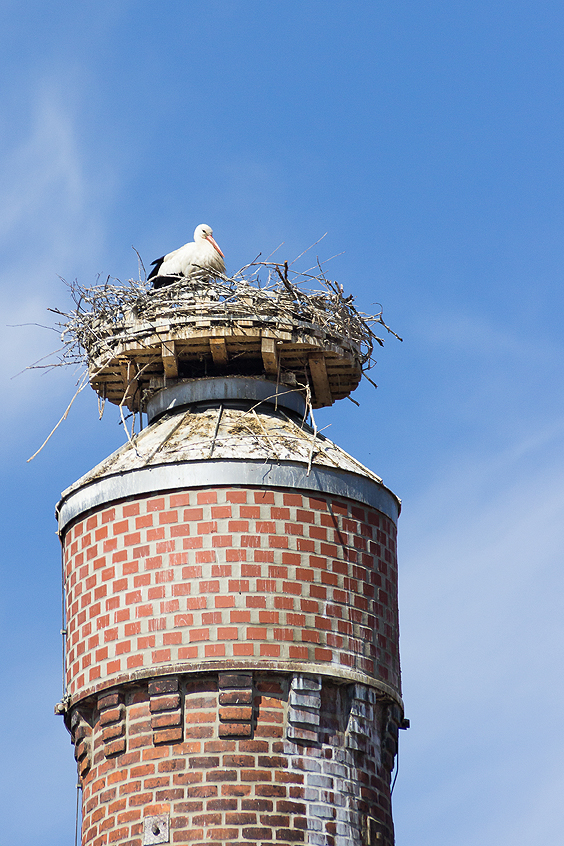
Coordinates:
426	140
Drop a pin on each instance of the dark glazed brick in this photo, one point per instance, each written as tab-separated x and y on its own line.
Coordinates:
110	700
194	731
235	680
202	791
258	833
222	805
253	746
275	820
172	766
270	790
256	805
169	795
238	761
164	685
240	819
295	836
221	775
290	807
203	763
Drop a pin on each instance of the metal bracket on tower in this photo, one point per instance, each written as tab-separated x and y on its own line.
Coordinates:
156	829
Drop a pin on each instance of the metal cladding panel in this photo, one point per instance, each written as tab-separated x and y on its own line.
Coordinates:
221	389
198	474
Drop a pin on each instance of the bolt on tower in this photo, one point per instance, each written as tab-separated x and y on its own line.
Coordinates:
232	661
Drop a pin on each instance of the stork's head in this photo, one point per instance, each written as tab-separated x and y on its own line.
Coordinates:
203	232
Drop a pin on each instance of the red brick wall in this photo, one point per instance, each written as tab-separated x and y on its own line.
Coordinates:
186	580
252	758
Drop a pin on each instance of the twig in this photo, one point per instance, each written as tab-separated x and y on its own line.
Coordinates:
218	421
308	248
40	325
167	437
81	387
140	262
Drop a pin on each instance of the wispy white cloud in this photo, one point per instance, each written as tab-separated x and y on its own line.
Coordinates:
487	341
44	169
50	222
54	195
482	629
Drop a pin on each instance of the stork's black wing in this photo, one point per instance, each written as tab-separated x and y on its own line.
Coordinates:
156	266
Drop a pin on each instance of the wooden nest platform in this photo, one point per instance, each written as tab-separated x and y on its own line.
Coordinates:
135	340
147	356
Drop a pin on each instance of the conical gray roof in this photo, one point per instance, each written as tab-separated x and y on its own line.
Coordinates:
227	443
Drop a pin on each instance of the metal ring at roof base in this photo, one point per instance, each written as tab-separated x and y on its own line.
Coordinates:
224	388
208	474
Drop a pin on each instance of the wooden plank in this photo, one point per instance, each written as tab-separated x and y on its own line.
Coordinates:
222	331
130	385
269	356
319	378
170	359
218	349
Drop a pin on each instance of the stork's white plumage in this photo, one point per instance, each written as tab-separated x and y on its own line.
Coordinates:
200	254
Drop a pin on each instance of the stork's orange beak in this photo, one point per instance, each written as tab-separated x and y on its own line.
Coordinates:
212	241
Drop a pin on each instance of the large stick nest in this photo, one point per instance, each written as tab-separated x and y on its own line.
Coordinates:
271	292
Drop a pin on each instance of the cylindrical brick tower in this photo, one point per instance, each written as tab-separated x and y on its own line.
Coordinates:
231	584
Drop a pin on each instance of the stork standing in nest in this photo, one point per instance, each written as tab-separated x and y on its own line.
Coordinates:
200	255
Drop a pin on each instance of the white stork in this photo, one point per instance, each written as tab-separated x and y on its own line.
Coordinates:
200	254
